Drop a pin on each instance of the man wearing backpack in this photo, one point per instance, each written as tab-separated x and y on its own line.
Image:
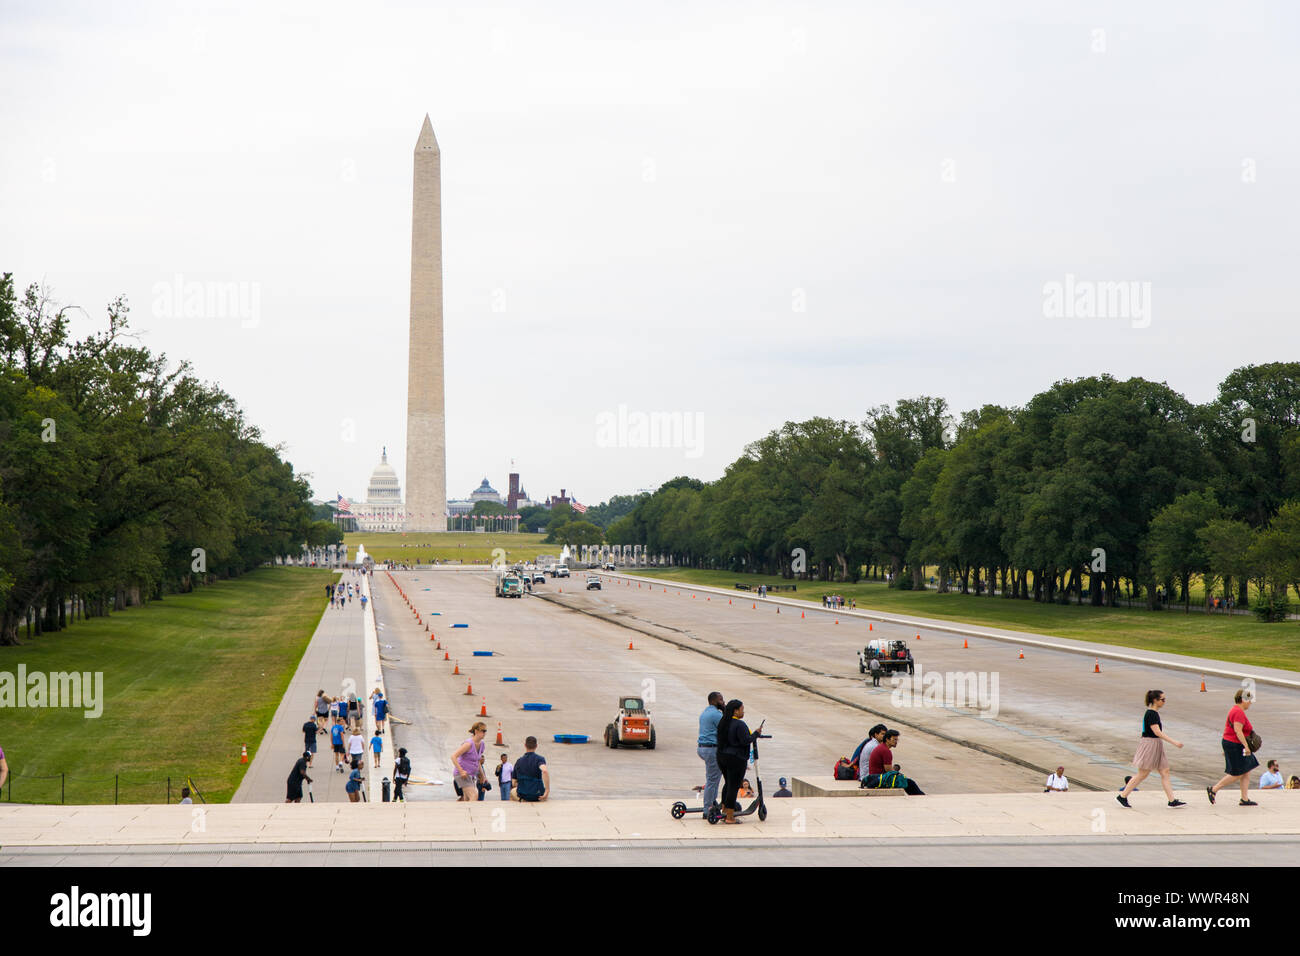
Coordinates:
401	773
531	779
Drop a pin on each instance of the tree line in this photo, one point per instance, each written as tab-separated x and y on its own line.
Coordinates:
1094	489
123	478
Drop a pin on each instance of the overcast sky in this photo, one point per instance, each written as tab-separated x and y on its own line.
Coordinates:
739	214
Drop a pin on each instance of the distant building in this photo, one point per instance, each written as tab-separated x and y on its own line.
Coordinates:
563	499
384	509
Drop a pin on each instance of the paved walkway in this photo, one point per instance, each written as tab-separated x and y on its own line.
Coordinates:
335	661
952	817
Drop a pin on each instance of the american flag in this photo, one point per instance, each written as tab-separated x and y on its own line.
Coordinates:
344	506
581	509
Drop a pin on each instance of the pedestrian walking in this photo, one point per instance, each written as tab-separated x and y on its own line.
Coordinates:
1238	754
377	748
353	787
504	774
532	779
467	761
734	741
401	774
322	710
297	775
356	750
336	740
381	709
1150	753
309	730
706	748
875	669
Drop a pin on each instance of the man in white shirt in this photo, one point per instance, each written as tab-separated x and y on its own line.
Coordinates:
874	736
356	749
1272	779
1056	782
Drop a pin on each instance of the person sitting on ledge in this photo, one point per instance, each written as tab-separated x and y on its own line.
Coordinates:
881	762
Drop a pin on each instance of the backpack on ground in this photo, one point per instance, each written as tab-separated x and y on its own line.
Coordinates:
846	769
889	780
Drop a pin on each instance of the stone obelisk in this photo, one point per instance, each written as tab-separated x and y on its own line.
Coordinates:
426	425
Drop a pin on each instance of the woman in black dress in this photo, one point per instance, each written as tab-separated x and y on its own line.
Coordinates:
734	741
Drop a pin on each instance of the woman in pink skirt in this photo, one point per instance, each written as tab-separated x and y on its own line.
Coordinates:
1151	751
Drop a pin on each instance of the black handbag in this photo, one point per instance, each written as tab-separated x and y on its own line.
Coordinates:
1254	741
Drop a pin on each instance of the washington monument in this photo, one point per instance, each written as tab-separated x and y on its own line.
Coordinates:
426	425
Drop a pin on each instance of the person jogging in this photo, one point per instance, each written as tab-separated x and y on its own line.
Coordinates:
1238	758
1151	752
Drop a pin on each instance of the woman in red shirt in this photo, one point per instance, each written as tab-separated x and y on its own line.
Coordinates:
1237	757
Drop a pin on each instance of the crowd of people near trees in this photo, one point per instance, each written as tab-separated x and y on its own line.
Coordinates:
1096	490
124	477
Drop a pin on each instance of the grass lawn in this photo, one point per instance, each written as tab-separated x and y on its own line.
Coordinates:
186	681
1237	638
467	546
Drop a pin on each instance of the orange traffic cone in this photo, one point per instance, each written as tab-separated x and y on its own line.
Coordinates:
500	742
753	607
870	626
837	620
965	644
1096	665
469	690
243	753
801	615
456	669
1022	655
433	637
630	647
918	637
482	711
1202	683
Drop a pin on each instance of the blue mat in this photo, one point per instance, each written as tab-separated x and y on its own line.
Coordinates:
537	706
482	653
510	678
570	738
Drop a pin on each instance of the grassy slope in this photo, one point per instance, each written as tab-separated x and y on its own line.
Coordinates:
186	681
1238	638
466	546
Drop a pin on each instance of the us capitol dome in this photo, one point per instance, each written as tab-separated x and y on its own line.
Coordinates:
384	509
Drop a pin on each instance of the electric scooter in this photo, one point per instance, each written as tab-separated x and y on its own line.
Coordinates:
680	809
714	813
